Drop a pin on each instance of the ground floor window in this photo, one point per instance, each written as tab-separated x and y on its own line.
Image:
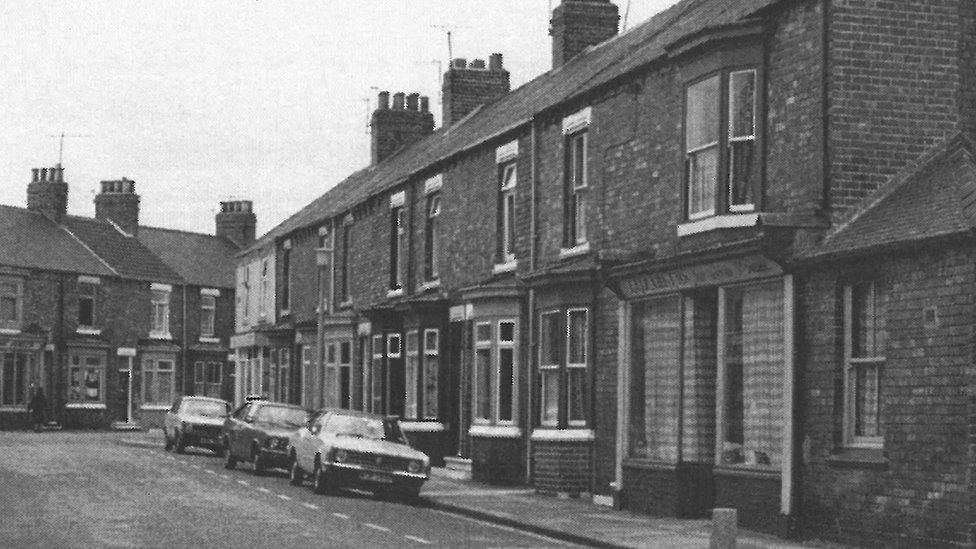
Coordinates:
865	337
337	381
15	368
86	378
345	374
495	371
421	371
207	379
563	367
158	381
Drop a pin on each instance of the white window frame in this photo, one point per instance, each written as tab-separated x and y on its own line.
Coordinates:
160	311
82	357
693	152
577	365
151	363
422	373
507	192
500	345
398	222
577	186
375	367
331	371
347	365
411	405
481	345
851	364
208	309
549	369
431	230
736	208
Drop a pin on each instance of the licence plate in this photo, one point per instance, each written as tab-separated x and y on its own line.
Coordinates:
373	477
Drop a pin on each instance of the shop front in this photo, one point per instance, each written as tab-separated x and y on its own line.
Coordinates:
706	375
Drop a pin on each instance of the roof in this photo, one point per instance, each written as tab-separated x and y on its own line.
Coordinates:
593	68
30	240
936	198
199	259
125	254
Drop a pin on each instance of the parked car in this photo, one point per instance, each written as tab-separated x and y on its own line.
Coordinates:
195	421
350	448
258	432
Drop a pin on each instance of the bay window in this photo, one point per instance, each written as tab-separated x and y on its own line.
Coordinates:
207	379
431	371
720	146
158	381
563	367
864	358
482	363
495	365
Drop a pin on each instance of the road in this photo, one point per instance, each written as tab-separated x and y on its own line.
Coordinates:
67	489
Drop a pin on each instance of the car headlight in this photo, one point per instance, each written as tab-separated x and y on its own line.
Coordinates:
339	456
187	427
415	466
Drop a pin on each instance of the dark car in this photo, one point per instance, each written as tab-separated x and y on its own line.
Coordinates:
350	448
258	432
195	421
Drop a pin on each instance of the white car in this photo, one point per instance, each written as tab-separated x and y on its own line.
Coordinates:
349	448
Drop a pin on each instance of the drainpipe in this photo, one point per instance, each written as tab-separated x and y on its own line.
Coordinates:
534	175
56	396
187	380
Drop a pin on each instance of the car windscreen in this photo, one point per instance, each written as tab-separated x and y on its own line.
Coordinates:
282	415
365	427
206	408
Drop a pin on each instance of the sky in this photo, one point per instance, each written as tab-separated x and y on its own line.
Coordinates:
199	102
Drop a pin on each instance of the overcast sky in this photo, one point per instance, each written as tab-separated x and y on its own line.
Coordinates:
204	101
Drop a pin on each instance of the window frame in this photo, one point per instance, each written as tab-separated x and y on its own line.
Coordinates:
160	306
286	278
425	363
506	210
87	291
852	364
431	228
398	232
483	345
22	381
501	345
550	369
208	310
584	366
151	363
411	407
346	239
575	188
18	298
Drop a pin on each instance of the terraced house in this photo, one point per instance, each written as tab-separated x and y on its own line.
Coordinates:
724	259
112	319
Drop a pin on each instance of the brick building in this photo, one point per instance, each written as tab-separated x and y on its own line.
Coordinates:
112	319
721	260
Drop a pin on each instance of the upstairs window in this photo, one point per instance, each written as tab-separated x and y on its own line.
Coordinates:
431	237
506	212
208	313
576	187
720	145
265	287
11	302
159	326
865	338
344	283
86	304
286	277
398	235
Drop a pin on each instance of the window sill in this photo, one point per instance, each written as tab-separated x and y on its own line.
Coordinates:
284	312
579	249
506	267
21	408
85	406
748	471
563	435
859	458
155	407
422	426
89	331
9	331
347	304
638	463
495	431
430	285
209	339
729	221
160	335
395	292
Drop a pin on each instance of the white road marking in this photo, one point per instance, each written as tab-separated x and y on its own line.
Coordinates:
284	497
376	527
340	515
243	483
421	541
311	506
210	471
263	490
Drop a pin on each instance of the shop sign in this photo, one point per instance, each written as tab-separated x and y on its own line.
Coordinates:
699	276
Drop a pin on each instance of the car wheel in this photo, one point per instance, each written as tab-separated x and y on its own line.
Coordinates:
167	443
257	462
321	483
295	474
180	444
229	460
409	495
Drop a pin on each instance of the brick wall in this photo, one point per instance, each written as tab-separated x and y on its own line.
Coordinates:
920	494
370	256
604	415
894	89
303	280
562	466
468	87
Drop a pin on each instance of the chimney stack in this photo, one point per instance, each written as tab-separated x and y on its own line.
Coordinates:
236	222
406	123
119	203
466	87
48	193
579	24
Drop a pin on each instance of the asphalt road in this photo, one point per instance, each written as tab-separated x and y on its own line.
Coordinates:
91	490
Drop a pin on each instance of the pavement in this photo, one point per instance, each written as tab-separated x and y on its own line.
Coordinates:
576	521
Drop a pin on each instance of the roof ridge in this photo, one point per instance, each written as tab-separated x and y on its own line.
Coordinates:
182	231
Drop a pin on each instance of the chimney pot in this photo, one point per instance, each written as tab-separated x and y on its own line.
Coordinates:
579	24
35	173
478	64
495	62
236	222
398	101
424	104
43	174
383	102
459	63
412	101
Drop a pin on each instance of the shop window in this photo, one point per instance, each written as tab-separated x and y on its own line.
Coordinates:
483	355
86	304
15	368
398	236
160	312
506	212
576	188
721	166
345	374
208	313
158	381
865	339
751	375
11	302
431	243
655	385
431	371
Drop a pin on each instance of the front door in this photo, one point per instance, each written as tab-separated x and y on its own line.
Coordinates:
124	412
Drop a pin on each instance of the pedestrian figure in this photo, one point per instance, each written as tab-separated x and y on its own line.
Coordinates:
38	408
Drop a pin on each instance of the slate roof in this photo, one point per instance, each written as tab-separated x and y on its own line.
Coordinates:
31	240
199	259
124	254
937	198
597	66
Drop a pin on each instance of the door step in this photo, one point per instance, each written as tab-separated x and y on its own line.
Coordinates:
457	467
126	426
